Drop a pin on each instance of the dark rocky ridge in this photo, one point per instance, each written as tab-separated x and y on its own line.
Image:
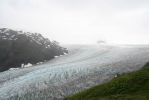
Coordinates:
17	47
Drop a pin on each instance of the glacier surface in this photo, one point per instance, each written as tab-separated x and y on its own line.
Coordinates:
85	66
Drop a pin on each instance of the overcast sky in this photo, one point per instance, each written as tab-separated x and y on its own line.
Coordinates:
80	21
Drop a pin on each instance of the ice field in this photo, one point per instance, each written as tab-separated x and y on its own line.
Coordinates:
83	67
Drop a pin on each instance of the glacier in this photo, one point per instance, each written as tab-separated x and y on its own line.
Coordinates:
85	66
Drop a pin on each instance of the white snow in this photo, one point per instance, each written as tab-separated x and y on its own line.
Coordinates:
39	63
28	65
7	33
13	68
65	53
5	30
22	65
56	56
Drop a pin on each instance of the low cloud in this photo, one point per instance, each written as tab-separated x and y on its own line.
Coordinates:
80	21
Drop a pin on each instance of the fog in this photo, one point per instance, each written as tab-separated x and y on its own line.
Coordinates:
80	21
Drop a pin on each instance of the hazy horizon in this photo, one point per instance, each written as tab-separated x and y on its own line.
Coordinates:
80	21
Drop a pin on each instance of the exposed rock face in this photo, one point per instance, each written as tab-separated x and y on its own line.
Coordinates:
17	47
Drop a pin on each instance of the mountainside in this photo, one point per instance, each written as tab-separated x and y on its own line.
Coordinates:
17	47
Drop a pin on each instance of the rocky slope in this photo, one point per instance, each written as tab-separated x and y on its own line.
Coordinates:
18	47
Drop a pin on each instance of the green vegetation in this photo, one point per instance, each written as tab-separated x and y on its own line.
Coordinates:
131	86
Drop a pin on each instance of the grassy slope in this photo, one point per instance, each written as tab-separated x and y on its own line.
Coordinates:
131	86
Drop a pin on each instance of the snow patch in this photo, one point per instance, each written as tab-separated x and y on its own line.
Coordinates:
39	63
27	65
13	69
56	56
65	53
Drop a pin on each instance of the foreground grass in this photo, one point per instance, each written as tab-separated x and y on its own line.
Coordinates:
131	86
